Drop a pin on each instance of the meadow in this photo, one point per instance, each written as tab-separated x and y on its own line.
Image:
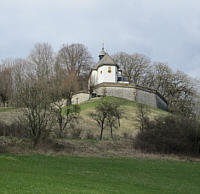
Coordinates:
70	174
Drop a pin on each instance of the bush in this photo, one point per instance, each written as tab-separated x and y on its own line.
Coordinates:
75	131
89	135
15	129
170	134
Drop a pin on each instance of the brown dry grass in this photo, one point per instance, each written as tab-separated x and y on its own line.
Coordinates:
88	148
129	125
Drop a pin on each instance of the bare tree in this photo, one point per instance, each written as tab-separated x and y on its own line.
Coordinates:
113	117
177	88
134	66
107	114
180	94
64	115
20	72
37	109
70	86
162	78
42	60
142	116
100	116
5	84
75	58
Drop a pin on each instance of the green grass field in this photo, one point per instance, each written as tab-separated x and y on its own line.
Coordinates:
67	174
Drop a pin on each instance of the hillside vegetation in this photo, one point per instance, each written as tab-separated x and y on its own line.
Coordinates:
129	124
128	127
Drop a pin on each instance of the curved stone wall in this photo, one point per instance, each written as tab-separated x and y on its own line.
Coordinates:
139	94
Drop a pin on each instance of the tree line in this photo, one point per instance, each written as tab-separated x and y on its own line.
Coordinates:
67	70
176	87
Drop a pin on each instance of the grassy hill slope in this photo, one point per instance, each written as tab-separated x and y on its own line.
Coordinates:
129	123
128	126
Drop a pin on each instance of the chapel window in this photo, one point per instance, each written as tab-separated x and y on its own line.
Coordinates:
109	69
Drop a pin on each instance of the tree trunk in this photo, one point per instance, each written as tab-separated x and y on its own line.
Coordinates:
35	141
101	135
111	133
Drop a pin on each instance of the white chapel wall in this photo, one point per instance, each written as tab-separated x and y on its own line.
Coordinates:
105	76
93	78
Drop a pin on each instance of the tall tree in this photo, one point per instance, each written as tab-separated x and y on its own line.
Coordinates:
5	84
177	88
134	66
42	60
74	58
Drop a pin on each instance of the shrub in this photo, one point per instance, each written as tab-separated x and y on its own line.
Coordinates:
15	129
89	135
75	131
170	134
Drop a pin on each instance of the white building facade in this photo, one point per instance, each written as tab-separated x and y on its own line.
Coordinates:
106	79
106	71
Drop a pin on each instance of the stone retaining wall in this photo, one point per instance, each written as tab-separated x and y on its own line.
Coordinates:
147	98
142	95
121	92
80	98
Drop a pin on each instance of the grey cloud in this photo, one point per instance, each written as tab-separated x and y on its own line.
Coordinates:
167	31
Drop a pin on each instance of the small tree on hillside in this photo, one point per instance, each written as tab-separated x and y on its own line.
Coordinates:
107	114
70	86
100	116
37	113
64	114
142	116
113	117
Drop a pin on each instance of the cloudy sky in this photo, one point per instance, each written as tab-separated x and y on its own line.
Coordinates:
166	31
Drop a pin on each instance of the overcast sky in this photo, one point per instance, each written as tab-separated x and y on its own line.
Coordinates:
166	31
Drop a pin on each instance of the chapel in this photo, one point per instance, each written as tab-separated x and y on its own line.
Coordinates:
106	79
106	71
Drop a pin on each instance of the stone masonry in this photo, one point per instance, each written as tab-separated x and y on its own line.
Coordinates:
139	94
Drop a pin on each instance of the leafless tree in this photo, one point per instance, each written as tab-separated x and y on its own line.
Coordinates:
20	72
180	94
142	116
74	58
70	86
100	117
64	114
42	60
159	77
134	66
107	114
115	113
176	87
37	114
5	84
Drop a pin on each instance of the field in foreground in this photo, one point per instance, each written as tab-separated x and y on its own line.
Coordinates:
67	174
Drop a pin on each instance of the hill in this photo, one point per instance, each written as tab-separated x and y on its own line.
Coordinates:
88	127
129	124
